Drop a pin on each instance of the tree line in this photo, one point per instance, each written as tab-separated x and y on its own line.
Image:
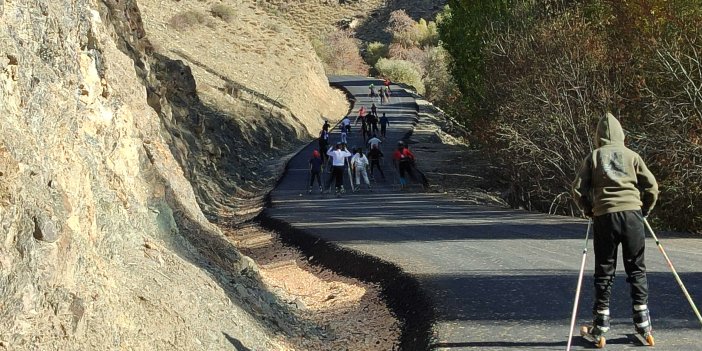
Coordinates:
533	77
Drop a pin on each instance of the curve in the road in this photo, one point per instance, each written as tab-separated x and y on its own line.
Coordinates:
498	279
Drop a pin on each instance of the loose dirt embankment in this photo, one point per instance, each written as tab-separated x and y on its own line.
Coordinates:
103	239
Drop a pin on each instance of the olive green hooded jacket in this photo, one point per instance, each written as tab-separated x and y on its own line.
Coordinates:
613	178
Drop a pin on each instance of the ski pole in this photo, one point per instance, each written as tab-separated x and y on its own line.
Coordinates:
580	284
675	273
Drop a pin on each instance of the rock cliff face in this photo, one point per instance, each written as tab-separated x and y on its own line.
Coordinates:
103	244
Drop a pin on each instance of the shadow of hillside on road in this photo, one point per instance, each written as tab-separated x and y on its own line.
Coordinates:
418	217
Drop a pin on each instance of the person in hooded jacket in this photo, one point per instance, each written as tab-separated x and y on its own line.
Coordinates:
616	189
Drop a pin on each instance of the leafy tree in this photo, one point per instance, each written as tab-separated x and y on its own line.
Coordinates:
462	31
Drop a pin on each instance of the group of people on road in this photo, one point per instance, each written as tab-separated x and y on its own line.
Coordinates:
361	167
613	187
382	94
339	159
369	123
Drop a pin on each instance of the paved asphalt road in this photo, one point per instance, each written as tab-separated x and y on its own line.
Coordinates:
500	279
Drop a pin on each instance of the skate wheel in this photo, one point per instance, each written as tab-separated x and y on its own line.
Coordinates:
601	343
650	340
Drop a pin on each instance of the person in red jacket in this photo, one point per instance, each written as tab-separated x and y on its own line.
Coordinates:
403	159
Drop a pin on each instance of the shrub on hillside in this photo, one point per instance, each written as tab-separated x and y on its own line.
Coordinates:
375	51
401	27
401	71
440	87
408	33
223	12
339	53
427	33
412	54
187	19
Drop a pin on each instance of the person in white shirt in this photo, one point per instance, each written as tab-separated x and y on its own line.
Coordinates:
374	142
346	124
360	163
338	157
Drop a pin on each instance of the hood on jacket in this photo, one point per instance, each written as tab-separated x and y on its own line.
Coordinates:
609	131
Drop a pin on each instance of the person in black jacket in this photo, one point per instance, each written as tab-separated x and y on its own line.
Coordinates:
375	156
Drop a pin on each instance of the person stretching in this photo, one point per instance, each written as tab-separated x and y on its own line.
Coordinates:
359	163
338	157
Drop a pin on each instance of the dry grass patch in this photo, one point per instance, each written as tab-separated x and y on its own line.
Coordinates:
187	19
223	12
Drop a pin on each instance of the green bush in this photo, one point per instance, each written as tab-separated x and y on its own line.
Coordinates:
402	72
440	87
375	51
426	33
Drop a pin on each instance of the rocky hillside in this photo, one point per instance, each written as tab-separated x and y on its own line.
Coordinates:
111	148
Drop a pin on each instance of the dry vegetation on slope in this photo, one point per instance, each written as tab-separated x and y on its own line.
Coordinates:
236	48
108	151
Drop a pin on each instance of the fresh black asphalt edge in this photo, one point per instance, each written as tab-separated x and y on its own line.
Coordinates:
402	292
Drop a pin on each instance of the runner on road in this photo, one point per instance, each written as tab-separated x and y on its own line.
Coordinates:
373	122
345	128
344	132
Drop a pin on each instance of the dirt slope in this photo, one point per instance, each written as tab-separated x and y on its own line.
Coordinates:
108	151
367	18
